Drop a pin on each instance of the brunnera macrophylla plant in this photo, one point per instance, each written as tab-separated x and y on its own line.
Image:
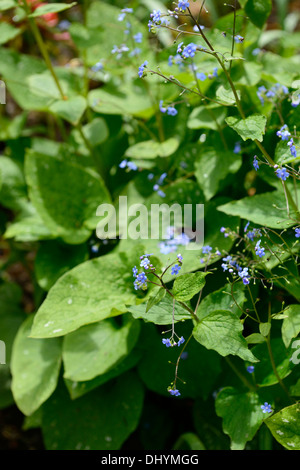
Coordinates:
164	107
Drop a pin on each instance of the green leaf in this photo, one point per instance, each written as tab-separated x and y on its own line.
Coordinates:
65	213
35	368
264	328
188	441
291	324
8	32
221	330
241	413
188	285
225	95
264	373
151	149
253	127
51	8
96	132
54	258
258	11
262	209
228	297
160	313
114	410
71	110
103	346
207	117
7	4
212	167
13	193
77	389
285	428
155	298
88	293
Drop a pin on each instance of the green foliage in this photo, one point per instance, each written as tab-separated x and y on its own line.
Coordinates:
116	335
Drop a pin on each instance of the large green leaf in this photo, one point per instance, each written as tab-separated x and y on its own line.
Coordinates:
285	427
151	149
8	32
258	11
188	285
71	110
212	167
262	209
253	127
54	258
229	297
88	293
221	330
161	313
35	368
291	324
65	195
103	346
241	413
100	420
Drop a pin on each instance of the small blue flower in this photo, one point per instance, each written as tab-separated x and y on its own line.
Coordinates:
292	148
138	37
145	263
266	408
97	67
283	133
181	341
282	173
237	147
206	249
174	391
297	232
175	270
295	101
135	271
250	369
255	163
140	282
189	50
167	342
259	251
183	4
201	76
142	68
238	38
180	259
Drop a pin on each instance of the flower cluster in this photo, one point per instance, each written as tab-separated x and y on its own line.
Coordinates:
282	173
142	68
170	342
140	282
277	91
157	20
128	164
183	4
173	241
187	51
259	251
170	110
232	266
284	134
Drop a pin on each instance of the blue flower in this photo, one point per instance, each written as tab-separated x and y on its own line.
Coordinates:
297	232
135	271
128	164
266	408
175	269
183	4
295	101
250	369
171	111
206	249
283	133
138	37
255	163
123	13
145	263
292	148
181	341
97	67
140	281
282	173
201	76
238	38
259	251
174	392
189	50
167	342
180	259
142	68
237	147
